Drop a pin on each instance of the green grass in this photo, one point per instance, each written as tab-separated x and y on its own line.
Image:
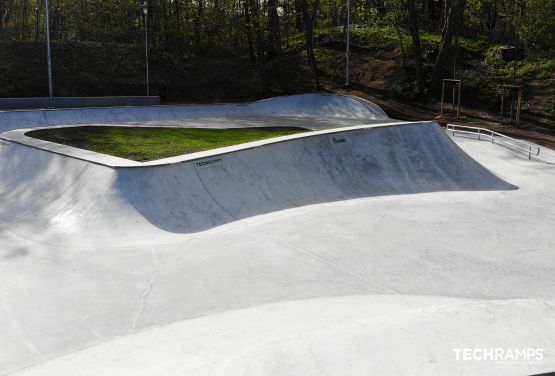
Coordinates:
146	144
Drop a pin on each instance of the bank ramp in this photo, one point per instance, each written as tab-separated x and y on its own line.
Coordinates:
315	111
200	191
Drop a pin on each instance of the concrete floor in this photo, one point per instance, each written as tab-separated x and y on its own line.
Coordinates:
354	282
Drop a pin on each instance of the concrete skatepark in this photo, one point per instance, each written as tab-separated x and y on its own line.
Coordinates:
368	246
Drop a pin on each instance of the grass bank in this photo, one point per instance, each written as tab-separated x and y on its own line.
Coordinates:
146	144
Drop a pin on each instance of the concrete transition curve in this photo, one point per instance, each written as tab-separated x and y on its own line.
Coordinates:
354	335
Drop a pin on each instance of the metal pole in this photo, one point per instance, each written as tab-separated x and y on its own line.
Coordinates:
49	58
502	104
442	96
348	37
519	107
146	56
459	101
454	91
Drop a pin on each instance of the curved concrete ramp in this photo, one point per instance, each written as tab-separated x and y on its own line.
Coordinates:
321	108
351	335
93	281
198	194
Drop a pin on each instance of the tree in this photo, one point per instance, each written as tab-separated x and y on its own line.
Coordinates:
274	45
308	22
254	6
416	51
248	28
452	23
198	20
298	15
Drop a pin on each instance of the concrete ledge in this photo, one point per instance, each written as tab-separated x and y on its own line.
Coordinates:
71	102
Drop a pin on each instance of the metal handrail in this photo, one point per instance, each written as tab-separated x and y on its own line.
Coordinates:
522	147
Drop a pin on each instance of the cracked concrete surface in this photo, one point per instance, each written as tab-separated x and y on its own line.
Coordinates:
146	292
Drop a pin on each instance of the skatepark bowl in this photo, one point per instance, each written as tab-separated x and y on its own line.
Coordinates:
366	246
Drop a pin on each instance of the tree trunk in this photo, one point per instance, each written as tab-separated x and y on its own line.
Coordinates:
451	24
2	5
274	45
248	27
399	36
37	21
198	18
298	15
260	45
286	17
308	22
415	34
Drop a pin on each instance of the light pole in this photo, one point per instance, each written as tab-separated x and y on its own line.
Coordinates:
49	58
145	13
348	39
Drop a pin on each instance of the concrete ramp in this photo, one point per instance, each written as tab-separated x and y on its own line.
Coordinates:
386	335
45	190
113	266
319	107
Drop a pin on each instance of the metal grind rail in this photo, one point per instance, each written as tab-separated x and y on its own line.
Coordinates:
517	146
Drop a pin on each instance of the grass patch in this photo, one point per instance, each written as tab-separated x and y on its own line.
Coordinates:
146	144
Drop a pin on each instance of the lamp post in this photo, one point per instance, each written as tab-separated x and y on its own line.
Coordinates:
145	13
348	39
49	57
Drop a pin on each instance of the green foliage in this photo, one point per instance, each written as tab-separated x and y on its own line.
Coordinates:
98	46
496	66
545	68
535	23
97	69
548	68
382	39
493	60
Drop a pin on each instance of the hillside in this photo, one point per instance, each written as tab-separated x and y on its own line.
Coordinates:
381	68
